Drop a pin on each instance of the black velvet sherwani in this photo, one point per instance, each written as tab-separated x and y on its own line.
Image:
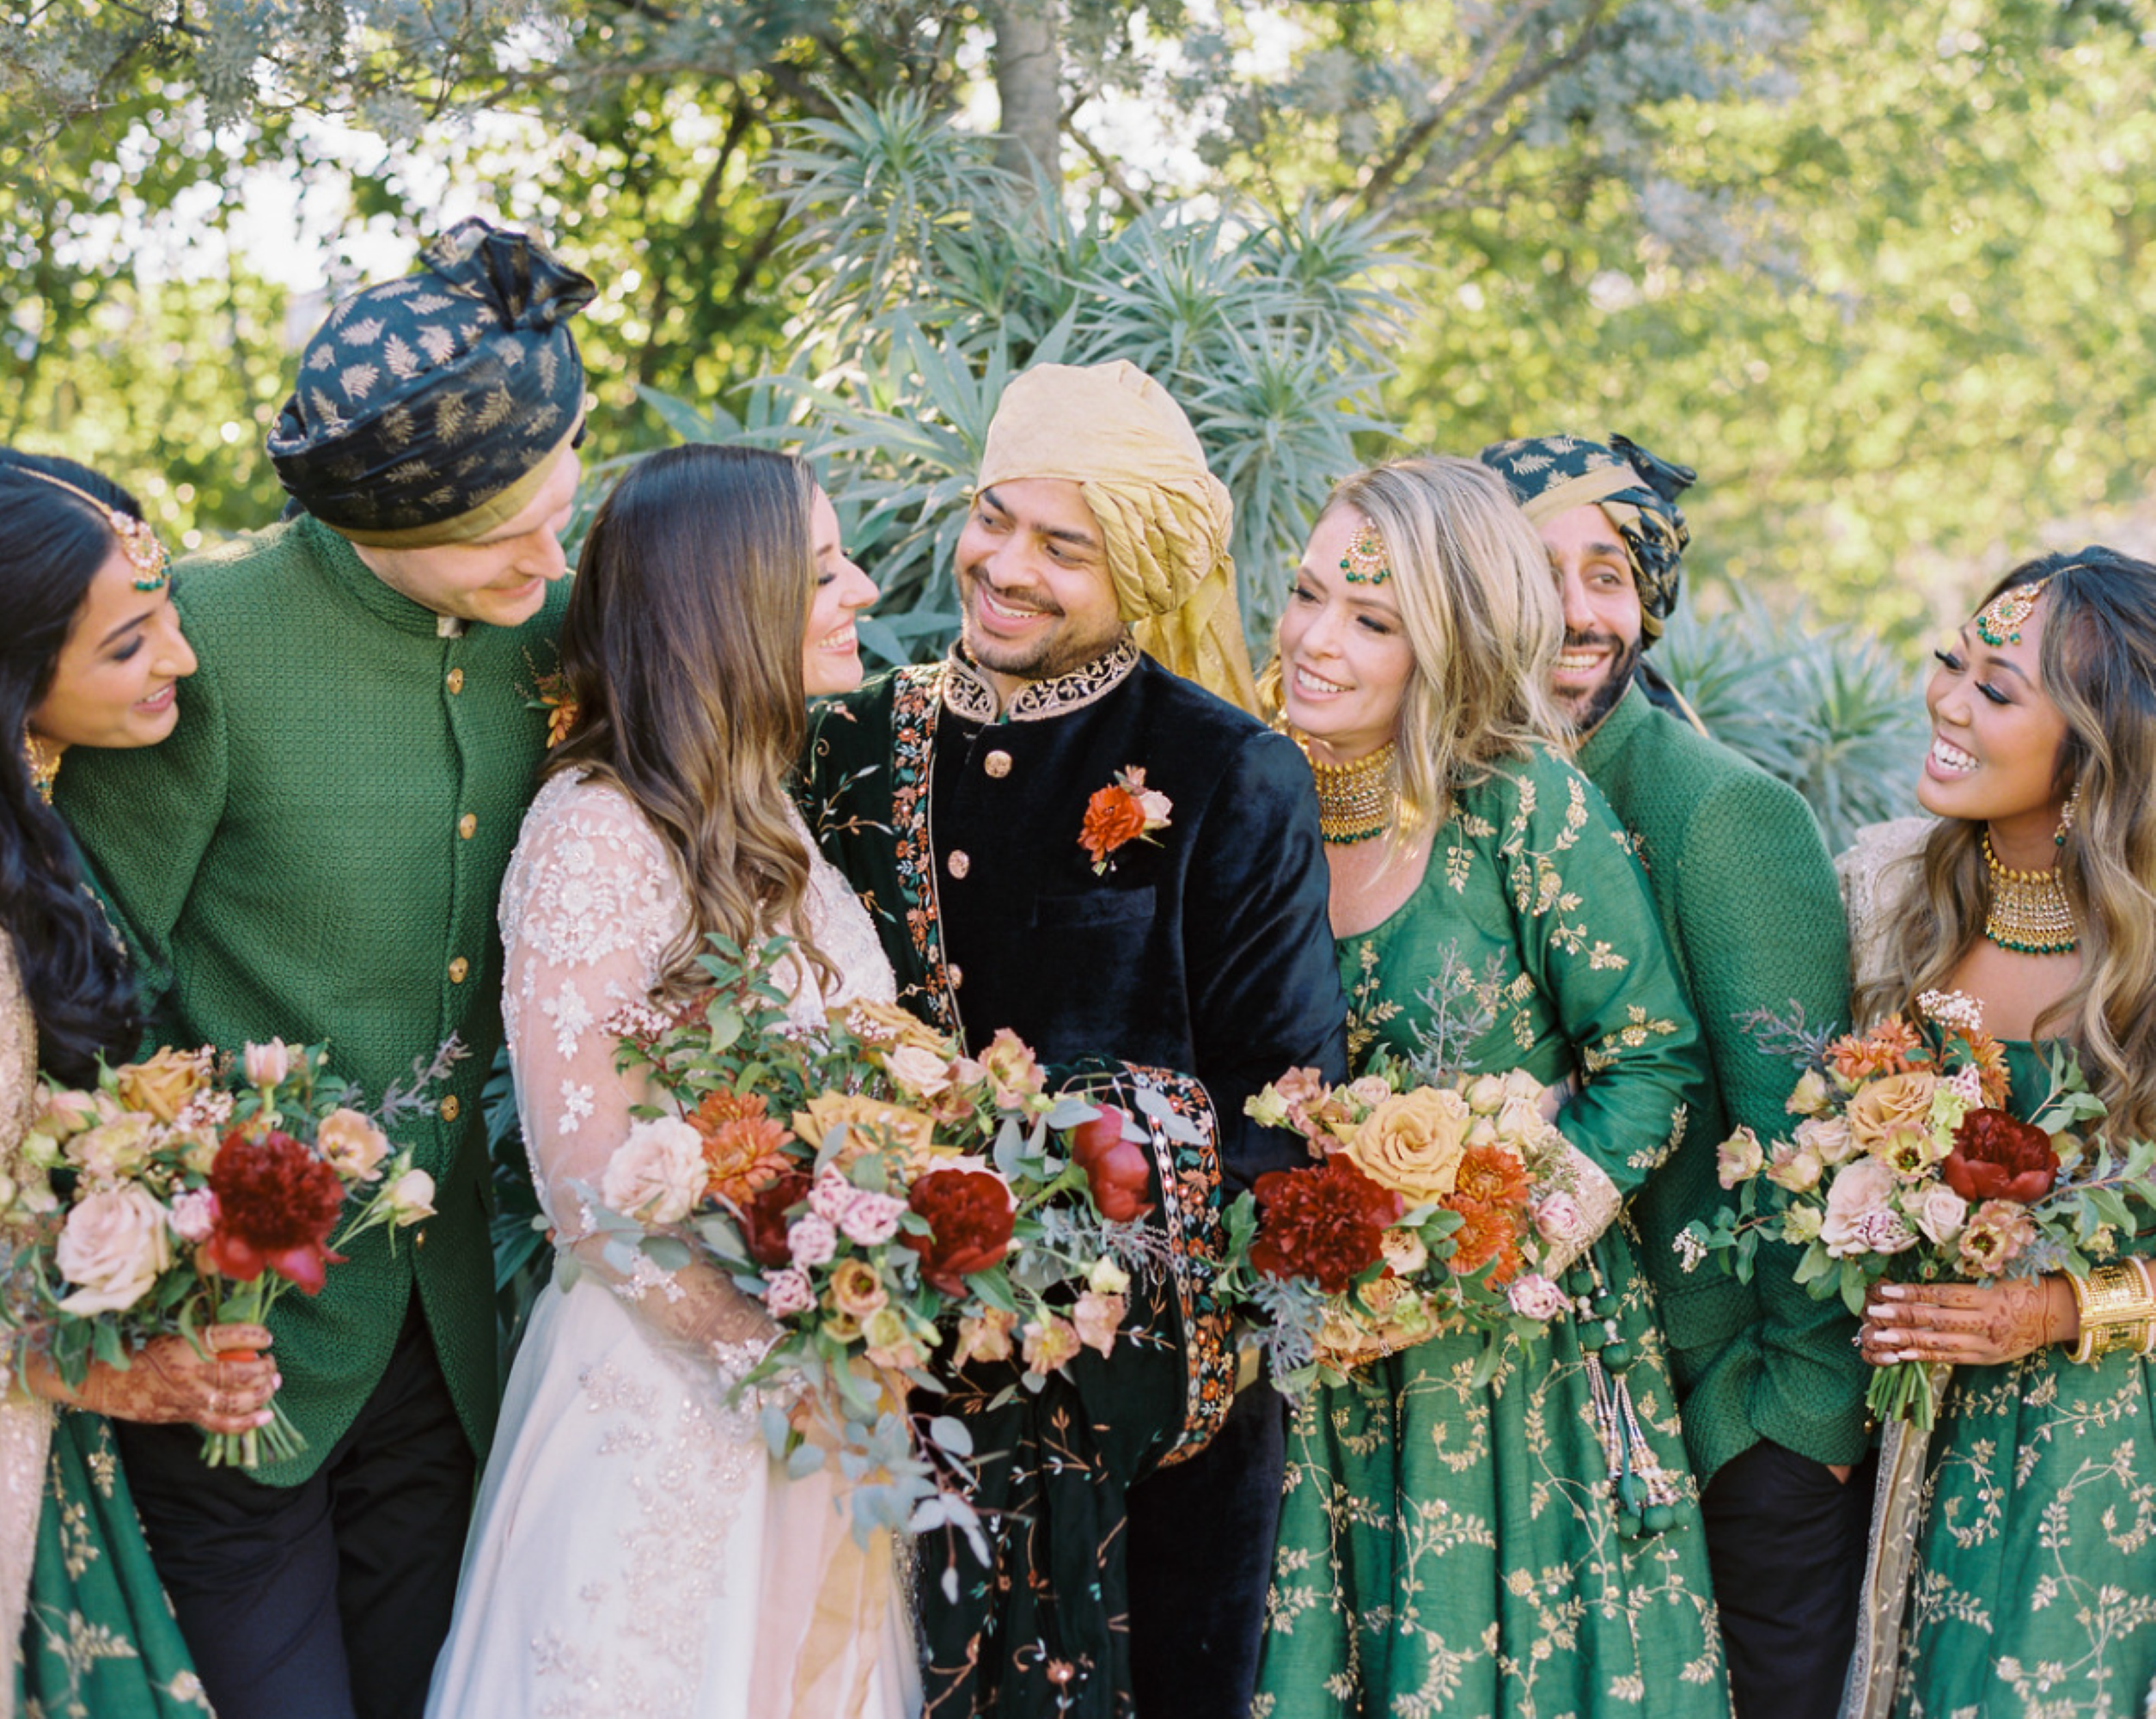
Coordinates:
1205	949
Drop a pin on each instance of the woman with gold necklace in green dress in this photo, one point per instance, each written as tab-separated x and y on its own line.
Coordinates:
1530	1546
92	656
2030	1521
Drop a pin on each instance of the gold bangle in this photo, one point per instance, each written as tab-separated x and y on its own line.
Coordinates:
2117	1308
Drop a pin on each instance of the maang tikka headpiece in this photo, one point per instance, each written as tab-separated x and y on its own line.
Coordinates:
138	542
1364	562
1999	622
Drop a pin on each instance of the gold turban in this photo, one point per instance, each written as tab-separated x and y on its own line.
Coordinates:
1164	518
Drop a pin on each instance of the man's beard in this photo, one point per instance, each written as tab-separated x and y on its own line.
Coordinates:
1058	651
1585	715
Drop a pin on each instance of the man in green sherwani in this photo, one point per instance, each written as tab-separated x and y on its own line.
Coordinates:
316	855
1770	1387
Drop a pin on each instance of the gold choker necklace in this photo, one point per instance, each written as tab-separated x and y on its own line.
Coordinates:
1358	800
2028	912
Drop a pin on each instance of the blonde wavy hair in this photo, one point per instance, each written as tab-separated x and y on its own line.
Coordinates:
2097	663
1482	615
682	648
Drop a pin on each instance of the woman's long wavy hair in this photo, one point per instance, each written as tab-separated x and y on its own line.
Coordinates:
52	545
1481	613
681	647
2097	663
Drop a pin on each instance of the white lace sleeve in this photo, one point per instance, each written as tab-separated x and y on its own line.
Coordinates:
589	907
1878	872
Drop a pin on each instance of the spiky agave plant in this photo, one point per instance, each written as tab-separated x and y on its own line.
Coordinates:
932	277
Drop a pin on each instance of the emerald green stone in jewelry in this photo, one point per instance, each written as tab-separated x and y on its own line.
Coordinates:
1999	620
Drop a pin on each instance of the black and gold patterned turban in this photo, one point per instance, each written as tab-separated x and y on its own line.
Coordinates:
1553	474
430	409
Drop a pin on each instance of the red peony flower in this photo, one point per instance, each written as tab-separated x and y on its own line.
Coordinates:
763	1218
1998	1157
1118	1171
1326	1223
970	1222
276	1203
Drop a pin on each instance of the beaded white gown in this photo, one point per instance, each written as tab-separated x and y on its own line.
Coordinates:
634	1550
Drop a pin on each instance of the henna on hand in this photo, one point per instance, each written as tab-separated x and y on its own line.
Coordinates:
225	1390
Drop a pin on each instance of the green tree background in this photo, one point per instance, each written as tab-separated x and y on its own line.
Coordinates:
1876	269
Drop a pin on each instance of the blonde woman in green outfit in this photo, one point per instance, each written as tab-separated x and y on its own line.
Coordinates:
1532	1545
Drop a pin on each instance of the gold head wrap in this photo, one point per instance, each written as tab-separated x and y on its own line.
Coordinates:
1164	518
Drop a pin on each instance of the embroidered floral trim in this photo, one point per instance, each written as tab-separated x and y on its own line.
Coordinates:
1124	811
918	694
967	693
1190	1180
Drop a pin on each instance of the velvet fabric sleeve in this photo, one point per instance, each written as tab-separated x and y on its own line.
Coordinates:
1265	988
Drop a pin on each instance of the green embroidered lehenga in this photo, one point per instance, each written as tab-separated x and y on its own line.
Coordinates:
97	1639
1446	1547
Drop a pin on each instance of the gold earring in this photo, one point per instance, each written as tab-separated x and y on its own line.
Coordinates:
45	767
2065	816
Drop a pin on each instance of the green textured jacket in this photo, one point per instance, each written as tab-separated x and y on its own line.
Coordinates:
1749	901
315	854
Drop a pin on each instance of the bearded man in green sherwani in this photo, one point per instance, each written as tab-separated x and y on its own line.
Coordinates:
1770	1387
316	855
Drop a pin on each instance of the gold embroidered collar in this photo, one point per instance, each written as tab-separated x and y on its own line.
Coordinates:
967	693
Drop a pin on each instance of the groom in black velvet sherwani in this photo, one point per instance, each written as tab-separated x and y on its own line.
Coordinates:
956	796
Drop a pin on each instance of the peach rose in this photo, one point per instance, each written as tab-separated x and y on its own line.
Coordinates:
160	1085
1412	1143
920	1072
1892	1109
870	1125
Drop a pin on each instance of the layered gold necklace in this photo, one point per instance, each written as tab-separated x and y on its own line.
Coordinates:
1358	801
2028	912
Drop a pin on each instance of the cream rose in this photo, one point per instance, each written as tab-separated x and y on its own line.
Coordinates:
1940	1213
1485	1093
657	1173
114	1243
1412	1143
1828	1137
923	1072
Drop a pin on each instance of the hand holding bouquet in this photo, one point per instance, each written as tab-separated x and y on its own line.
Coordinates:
170	1199
889	1201
1905	1165
1430	1207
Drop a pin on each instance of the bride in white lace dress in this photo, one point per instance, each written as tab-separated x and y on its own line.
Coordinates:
635	1549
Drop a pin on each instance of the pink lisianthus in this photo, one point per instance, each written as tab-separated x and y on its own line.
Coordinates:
870	1219
811	1240
1858	1193
986	1337
1738	1157
1999	1233
194	1216
787	1292
1533	1296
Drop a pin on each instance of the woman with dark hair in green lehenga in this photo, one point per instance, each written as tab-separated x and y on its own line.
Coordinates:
92	656
2013	1564
1531	1546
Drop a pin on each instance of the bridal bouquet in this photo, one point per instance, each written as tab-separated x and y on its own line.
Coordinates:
1904	1163
1430	1206
888	1199
192	1189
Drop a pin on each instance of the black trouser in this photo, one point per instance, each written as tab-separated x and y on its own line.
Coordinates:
1201	1538
328	1599
1786	1542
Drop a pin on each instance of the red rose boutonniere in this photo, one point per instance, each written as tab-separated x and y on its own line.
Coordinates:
1124	811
